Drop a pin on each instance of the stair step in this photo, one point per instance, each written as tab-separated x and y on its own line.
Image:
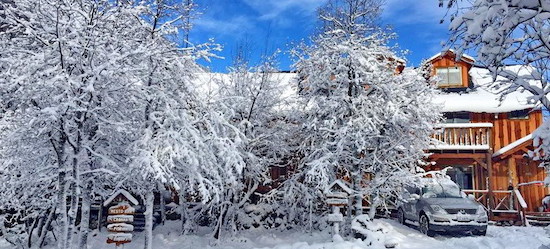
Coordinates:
538	222
539	218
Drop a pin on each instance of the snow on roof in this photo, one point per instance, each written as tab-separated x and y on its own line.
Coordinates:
477	99
441	54
120	192
344	186
513	145
481	99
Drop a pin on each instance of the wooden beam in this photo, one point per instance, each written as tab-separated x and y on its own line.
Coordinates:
436	156
491	203
481	163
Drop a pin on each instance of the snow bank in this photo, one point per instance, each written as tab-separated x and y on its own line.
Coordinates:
168	237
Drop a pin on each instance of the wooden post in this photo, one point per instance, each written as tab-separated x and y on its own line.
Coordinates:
489	162
99	216
513	173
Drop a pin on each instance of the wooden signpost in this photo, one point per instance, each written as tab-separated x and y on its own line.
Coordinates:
120	218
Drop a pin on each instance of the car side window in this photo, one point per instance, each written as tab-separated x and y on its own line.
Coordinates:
411	190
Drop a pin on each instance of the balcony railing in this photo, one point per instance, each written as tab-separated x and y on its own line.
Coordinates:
467	136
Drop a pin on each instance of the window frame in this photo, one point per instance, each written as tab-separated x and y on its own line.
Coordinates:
462	117
441	82
519	114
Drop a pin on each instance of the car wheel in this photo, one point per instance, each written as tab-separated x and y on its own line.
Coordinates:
480	232
425	226
401	216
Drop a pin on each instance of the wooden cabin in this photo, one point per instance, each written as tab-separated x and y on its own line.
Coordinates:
485	140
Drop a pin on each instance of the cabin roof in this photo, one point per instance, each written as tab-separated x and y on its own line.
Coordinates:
477	99
513	147
123	192
465	58
481	98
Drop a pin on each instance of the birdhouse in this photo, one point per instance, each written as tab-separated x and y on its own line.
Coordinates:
337	193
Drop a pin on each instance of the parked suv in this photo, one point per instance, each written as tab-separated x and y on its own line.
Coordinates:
439	205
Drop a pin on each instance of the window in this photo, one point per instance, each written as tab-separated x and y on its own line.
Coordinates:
457	117
462	175
521	114
449	76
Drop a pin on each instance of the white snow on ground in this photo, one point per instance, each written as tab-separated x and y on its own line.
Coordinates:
407	237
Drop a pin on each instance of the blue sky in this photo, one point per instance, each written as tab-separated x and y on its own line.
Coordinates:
277	24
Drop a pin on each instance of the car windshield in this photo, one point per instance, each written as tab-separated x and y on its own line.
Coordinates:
440	188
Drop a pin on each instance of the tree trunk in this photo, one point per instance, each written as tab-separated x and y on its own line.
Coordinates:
358	177
162	206
40	226
184	216
62	199
374	204
84	217
71	222
31	231
219	225
46	227
149	205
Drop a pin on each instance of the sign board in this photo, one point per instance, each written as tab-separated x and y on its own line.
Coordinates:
123	208
120	227
119	238
120	218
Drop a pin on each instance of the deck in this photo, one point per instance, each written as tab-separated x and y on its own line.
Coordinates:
463	136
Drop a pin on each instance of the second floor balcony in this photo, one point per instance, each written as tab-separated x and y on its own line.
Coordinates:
464	136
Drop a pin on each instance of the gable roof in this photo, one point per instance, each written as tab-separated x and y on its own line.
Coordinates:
465	58
339	184
514	147
123	192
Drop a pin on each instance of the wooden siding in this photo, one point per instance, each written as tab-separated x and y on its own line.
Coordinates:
510	170
448	60
514	170
506	131
529	171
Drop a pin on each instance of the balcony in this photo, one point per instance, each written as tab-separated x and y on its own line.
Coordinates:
466	136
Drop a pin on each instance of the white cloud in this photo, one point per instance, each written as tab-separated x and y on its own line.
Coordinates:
234	26
274	9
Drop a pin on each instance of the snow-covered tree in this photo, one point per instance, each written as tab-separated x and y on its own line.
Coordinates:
65	80
97	95
254	98
364	121
512	40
